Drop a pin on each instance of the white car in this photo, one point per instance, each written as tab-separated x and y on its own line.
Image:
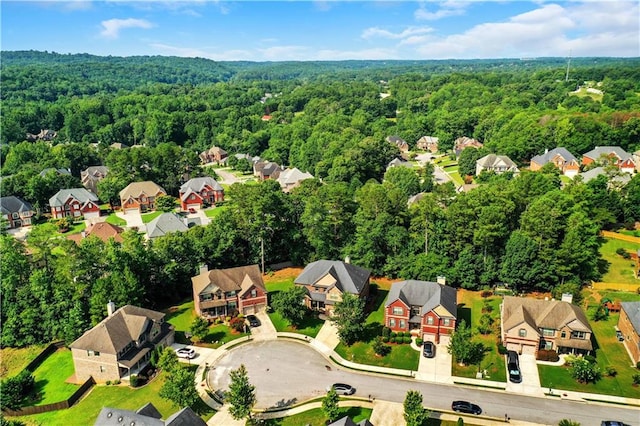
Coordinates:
187	353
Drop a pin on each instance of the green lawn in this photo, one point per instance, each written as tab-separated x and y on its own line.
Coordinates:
309	326
76	228
148	217
14	360
50	378
115	220
121	396
609	352
620	270
455	175
274	286
635	233
215	212
470	309
315	417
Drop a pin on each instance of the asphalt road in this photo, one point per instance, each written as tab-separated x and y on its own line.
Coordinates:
287	372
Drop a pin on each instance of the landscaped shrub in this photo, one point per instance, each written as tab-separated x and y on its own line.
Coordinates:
134	381
394	334
385	339
600	314
392	339
611	372
638	365
590	358
636	379
485	324
502	349
386	332
584	371
237	324
419	342
624	253
486	293
108	382
380	348
548	355
116	382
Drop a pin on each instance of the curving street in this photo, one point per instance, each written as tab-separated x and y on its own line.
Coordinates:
286	372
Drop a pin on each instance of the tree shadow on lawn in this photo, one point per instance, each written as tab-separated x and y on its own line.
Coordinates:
214	337
371	331
464	313
37	394
175	312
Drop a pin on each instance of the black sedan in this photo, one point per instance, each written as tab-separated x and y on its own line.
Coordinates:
253	320
465	407
429	349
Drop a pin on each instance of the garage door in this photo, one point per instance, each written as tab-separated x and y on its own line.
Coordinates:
528	350
193	206
91	215
249	310
131	211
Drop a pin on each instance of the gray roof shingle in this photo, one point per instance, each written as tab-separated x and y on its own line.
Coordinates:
165	224
81	194
426	294
350	278
632	310
543	159
198	184
13	204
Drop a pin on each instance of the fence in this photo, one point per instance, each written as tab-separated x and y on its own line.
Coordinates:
43	355
622	237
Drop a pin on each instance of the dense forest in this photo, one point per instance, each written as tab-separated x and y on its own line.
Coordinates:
326	118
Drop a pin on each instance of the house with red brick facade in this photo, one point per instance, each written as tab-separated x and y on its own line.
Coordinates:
559	157
16	211
613	154
200	191
140	196
425	308
214	154
629	326
225	292
74	203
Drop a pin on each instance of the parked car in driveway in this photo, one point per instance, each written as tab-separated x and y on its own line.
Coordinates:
187	353
619	336
342	389
513	366
465	407
612	423
428	349
253	320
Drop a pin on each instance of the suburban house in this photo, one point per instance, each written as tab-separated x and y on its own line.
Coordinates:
629	326
618	156
167	223
402	145
531	324
615	180
214	154
225	292
74	203
291	178
266	170
346	421
399	162
559	157
16	211
102	230
464	142
428	143
198	191
44	135
428	308
121	344
59	172
496	163
118	145
147	415
327	280
92	175
140	196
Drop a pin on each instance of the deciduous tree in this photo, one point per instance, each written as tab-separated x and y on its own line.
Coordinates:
330	406
348	317
414	412
179	389
241	395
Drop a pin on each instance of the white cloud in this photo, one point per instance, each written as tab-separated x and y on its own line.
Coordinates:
112	27
407	32
339	55
444	9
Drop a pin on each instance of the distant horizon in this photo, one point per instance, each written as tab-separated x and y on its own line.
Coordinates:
326	30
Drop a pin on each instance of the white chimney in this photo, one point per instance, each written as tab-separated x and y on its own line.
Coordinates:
347	259
204	268
111	308
441	280
567	297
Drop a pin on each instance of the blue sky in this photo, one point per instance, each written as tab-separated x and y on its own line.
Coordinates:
325	30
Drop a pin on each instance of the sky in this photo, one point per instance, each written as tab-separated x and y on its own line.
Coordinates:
325	30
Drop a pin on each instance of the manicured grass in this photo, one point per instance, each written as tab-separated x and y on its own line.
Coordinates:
14	360
278	284
148	217
121	396
401	356
50	378
635	233
315	417
309	326
215	212
620	270
181	316
76	228
455	175
470	306
115	220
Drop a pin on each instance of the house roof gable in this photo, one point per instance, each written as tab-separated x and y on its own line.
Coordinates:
230	279
350	278
82	195
13	204
430	296
135	189
632	309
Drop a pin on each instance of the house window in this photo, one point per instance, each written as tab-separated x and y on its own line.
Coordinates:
192	197
578	334
102	369
206	296
398	310
447	322
548	332
430	320
563	334
402	324
254	293
392	322
89	353
522	332
96	353
14	215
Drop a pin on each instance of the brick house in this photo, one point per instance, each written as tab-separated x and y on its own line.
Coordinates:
327	280
16	211
266	170
402	145
629	326
291	178
103	230
426	308
465	142
528	325
92	175
428	143
559	157
617	156
198	191
121	344
214	154
74	203
140	196
225	292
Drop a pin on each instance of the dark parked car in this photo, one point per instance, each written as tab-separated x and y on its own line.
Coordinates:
342	389
619	336
465	407
253	320
429	349
611	423
513	365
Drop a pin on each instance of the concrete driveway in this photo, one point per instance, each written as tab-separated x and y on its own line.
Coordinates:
266	330
328	335
134	220
530	384
436	369
201	353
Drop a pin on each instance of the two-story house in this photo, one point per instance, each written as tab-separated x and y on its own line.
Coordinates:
428	143
266	170
291	178
140	196
402	145
225	292
465	142
92	175
214	154
496	163
327	280
198	191
426	308
531	324
559	157
147	415
612	154
121	344
629	326
16	211
74	202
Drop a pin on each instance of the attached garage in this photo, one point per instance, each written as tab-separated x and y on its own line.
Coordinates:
126	211
528	350
195	206
91	215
